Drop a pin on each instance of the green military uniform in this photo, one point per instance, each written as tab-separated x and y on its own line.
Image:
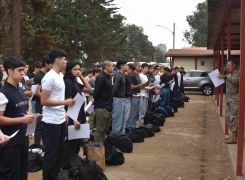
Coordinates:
232	99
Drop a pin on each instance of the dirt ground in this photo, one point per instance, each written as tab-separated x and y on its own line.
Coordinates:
189	147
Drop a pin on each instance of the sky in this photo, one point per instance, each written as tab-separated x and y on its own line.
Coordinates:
149	13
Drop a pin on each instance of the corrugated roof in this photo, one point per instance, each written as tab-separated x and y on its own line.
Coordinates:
217	10
194	53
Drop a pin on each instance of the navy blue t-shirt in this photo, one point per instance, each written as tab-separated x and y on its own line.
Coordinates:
17	104
71	90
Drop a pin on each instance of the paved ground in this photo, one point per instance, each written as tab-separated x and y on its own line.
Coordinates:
189	147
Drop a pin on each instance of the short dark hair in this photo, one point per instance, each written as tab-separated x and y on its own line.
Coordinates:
131	66
37	64
182	68
155	68
232	61
176	68
12	63
166	69
136	63
144	65
150	66
56	53
69	66
90	71
96	70
45	60
121	63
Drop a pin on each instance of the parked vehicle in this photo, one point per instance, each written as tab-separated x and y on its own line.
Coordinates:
198	80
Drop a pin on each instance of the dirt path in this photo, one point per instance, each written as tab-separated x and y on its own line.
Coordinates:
189	147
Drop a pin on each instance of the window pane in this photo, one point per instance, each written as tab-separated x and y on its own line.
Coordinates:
187	74
196	74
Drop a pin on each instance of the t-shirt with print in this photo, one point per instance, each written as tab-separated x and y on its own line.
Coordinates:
54	83
143	92
71	90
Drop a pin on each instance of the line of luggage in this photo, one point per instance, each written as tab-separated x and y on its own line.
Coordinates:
98	154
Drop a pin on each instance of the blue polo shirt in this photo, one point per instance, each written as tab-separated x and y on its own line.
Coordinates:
17	104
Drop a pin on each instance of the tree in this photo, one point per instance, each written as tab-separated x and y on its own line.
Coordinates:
198	22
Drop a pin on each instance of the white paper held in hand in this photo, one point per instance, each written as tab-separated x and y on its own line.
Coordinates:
214	78
33	89
31	127
83	132
172	86
155	98
13	135
162	85
73	111
89	108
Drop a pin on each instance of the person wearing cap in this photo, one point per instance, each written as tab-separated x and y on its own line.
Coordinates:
165	91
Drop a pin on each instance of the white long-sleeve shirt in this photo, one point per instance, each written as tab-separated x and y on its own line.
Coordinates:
179	78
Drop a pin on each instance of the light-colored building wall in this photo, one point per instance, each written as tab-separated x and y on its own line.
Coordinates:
205	64
187	63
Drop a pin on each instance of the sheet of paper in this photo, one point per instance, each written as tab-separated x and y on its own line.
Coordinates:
162	85
33	89
13	135
214	78
83	132
89	108
172	86
73	111
31	127
155	98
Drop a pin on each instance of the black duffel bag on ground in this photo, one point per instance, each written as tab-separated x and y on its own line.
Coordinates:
160	119
113	156
136	135
181	104
170	111
121	141
149	130
35	158
148	117
174	107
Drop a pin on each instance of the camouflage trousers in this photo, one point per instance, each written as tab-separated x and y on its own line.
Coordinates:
232	115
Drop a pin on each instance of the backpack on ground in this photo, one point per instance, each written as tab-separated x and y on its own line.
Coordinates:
149	130
181	104
161	118
121	141
35	158
170	111
148	117
162	111
174	107
184	98
136	135
113	156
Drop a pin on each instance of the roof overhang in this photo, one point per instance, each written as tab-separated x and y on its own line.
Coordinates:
217	18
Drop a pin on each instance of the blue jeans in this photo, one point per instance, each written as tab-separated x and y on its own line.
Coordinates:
134	112
127	111
118	115
33	110
165	97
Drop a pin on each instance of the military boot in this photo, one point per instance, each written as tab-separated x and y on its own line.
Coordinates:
233	139
228	137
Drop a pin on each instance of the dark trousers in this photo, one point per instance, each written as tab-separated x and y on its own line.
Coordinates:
54	135
71	147
39	131
14	162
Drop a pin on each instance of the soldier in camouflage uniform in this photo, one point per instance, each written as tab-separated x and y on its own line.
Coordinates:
232	99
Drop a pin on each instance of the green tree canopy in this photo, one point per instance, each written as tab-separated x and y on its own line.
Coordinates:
198	22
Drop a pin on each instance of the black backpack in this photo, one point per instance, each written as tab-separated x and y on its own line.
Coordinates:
148	117
149	130
136	135
113	156
121	141
174	107
160	119
35	160
88	170
170	111
181	104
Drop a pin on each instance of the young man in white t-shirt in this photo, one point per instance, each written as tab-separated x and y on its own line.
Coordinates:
54	115
144	93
